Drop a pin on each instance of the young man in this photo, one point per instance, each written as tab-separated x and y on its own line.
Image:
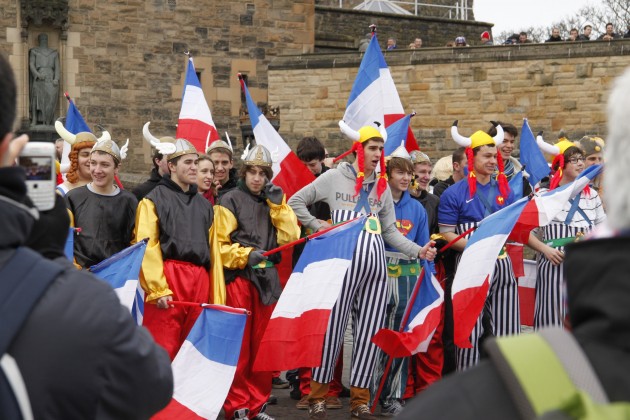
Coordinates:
555	36
225	177
586	35
253	218
463	206
459	163
402	275
350	191
312	153
177	221
78	352
105	213
511	165
573	35
610	34
422	175
578	217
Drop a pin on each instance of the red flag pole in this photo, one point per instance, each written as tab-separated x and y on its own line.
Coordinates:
405	318
211	306
306	238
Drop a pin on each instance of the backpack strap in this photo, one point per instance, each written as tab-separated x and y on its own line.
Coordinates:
23	280
543	370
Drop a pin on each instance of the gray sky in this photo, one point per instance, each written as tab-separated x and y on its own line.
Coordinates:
515	15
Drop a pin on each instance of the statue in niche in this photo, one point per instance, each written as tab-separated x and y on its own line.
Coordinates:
44	70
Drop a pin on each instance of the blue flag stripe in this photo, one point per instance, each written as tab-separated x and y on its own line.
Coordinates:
218	335
368	71
191	77
75	122
120	267
531	156
499	223
396	133
252	109
338	245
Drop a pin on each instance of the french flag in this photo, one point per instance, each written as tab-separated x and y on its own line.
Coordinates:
397	133
544	207
288	170
424	318
195	119
470	286
295	334
204	367
121	271
374	96
531	156
476	267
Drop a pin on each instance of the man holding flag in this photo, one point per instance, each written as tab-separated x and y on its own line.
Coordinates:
402	274
463	206
352	190
177	221
253	218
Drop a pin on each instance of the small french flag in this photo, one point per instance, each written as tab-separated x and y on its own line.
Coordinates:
204	367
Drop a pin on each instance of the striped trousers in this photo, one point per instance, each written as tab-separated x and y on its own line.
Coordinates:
502	306
364	297
550	306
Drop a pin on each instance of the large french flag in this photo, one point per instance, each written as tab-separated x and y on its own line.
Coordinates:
121	271
195	119
295	334
204	367
288	171
374	96
424	318
544	207
476	267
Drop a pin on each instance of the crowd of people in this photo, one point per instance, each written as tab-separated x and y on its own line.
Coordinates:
209	218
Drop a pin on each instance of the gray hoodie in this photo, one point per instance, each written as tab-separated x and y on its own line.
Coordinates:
335	187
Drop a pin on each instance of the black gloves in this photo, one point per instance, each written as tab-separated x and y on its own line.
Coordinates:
256	257
274	193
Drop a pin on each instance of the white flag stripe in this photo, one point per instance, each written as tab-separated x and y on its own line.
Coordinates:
200	384
316	288
127	293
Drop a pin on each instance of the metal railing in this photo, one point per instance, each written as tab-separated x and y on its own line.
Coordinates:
459	10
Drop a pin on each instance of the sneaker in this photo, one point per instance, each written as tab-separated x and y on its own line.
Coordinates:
241	414
263	416
391	409
333	403
303	403
279	383
273	400
317	410
362	412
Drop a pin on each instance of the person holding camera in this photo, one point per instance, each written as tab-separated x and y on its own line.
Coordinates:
65	336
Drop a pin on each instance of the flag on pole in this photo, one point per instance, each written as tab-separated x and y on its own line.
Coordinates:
476	268
396	134
74	124
295	334
531	156
204	367
195	120
471	285
374	96
544	207
121	271
288	171
516	184
424	318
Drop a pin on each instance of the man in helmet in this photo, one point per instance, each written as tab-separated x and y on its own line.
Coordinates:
462	206
352	190
253	218
105	213
225	176
176	264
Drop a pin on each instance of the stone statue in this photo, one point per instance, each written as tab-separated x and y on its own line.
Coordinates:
44	70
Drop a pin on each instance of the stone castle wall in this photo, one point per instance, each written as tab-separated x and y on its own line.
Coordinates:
560	86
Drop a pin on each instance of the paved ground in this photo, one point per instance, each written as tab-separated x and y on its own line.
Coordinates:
286	408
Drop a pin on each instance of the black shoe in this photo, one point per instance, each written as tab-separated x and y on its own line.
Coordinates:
279	383
345	392
273	400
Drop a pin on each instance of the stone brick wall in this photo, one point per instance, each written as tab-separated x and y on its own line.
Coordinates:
559	86
424	11
332	22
